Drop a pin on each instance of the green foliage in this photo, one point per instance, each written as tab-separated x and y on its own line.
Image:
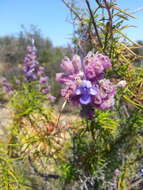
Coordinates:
11	176
68	173
27	99
12	52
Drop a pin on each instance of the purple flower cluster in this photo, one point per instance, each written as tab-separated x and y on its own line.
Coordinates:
95	65
33	71
31	64
84	81
31	67
5	85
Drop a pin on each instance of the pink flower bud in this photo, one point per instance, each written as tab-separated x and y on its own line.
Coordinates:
76	61
67	66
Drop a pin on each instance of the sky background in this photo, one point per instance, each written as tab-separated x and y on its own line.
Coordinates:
51	16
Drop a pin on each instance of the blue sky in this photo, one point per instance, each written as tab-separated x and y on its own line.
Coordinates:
51	17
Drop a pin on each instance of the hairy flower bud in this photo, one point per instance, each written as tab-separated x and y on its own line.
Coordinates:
122	84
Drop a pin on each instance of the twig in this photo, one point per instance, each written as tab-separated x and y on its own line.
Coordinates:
110	24
136	182
94	23
62	108
98	2
72	10
43	175
137	10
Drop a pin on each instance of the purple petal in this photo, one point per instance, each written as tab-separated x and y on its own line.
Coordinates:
78	91
43	80
93	91
90	73
76	61
106	104
85	99
97	99
86	84
67	66
51	98
62	78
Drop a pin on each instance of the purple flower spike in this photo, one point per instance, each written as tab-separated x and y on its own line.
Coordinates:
86	91
31	64
34	72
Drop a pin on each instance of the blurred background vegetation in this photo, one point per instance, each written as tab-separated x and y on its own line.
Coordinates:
12	52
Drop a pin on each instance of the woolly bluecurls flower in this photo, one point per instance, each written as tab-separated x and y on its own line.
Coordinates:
85	84
77	90
93	71
85	91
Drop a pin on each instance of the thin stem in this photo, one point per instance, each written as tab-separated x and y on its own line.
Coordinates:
62	108
107	6
72	10
109	14
43	175
98	2
94	23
